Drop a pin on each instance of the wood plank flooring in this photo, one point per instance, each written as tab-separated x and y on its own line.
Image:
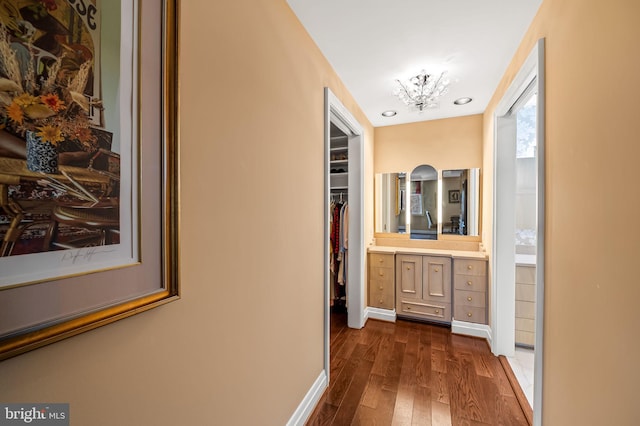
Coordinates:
410	373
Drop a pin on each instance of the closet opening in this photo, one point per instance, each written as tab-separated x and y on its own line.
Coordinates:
338	219
343	220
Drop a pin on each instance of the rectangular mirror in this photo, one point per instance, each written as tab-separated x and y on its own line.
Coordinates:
391	202
460	200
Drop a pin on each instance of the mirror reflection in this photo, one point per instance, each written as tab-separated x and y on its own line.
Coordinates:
423	199
391	202
460	190
408	202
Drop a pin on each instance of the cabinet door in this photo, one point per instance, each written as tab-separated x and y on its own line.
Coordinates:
436	275
409	276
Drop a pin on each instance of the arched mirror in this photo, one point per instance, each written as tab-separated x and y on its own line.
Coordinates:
423	203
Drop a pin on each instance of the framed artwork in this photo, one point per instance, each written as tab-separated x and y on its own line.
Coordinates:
454	196
76	118
416	204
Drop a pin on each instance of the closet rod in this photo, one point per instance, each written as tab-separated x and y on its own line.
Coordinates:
341	194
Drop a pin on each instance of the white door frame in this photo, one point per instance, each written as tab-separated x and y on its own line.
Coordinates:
503	253
336	113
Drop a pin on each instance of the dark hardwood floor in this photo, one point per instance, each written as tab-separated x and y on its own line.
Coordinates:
411	373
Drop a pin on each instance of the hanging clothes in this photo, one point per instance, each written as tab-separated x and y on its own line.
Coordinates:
332	292
344	237
339	227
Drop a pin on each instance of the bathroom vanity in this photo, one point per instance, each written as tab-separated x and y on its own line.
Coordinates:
427	262
429	284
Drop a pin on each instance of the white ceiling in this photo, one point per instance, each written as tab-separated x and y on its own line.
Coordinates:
371	43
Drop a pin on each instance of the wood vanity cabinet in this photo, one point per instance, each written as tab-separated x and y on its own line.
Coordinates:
423	287
429	286
381	280
470	290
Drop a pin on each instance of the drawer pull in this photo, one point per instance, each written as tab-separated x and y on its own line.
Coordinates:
437	270
380	300
469	314
469	298
437	311
408	268
408	308
381	288
382	274
470	267
381	260
469	283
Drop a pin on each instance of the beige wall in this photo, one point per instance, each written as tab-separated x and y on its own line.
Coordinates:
591	374
245	342
451	143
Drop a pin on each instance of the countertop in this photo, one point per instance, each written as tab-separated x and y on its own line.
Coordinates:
437	252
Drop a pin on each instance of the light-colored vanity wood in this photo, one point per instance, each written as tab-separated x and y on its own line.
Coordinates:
429	284
423	287
381	280
525	304
470	290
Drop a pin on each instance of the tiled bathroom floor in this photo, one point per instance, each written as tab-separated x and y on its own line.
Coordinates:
522	366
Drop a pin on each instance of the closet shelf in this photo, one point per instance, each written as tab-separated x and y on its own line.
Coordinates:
339	188
339	173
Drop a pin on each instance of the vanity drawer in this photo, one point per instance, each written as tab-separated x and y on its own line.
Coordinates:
470	282
382	280
382	274
470	314
381	294
470	298
381	299
440	311
470	267
381	260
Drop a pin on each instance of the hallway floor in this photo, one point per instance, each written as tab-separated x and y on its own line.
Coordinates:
411	373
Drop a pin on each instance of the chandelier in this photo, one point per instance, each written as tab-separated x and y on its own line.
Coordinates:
422	91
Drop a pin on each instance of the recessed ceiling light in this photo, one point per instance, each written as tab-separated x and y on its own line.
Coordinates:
389	113
462	101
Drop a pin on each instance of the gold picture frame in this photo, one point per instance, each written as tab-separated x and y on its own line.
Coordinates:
44	312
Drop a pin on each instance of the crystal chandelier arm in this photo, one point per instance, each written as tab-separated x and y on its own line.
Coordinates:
406	93
435	87
423	90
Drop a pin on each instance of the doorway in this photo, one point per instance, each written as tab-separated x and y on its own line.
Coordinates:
518	222
347	180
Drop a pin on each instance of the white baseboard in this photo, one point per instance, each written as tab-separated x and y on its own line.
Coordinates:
471	329
309	402
388	315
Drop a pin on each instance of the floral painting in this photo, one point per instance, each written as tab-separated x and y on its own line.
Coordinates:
62	134
75	124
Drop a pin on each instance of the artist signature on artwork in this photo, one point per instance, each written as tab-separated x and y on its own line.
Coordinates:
85	255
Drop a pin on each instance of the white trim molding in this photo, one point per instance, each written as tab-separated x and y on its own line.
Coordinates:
310	400
388	315
530	75
472	329
336	113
